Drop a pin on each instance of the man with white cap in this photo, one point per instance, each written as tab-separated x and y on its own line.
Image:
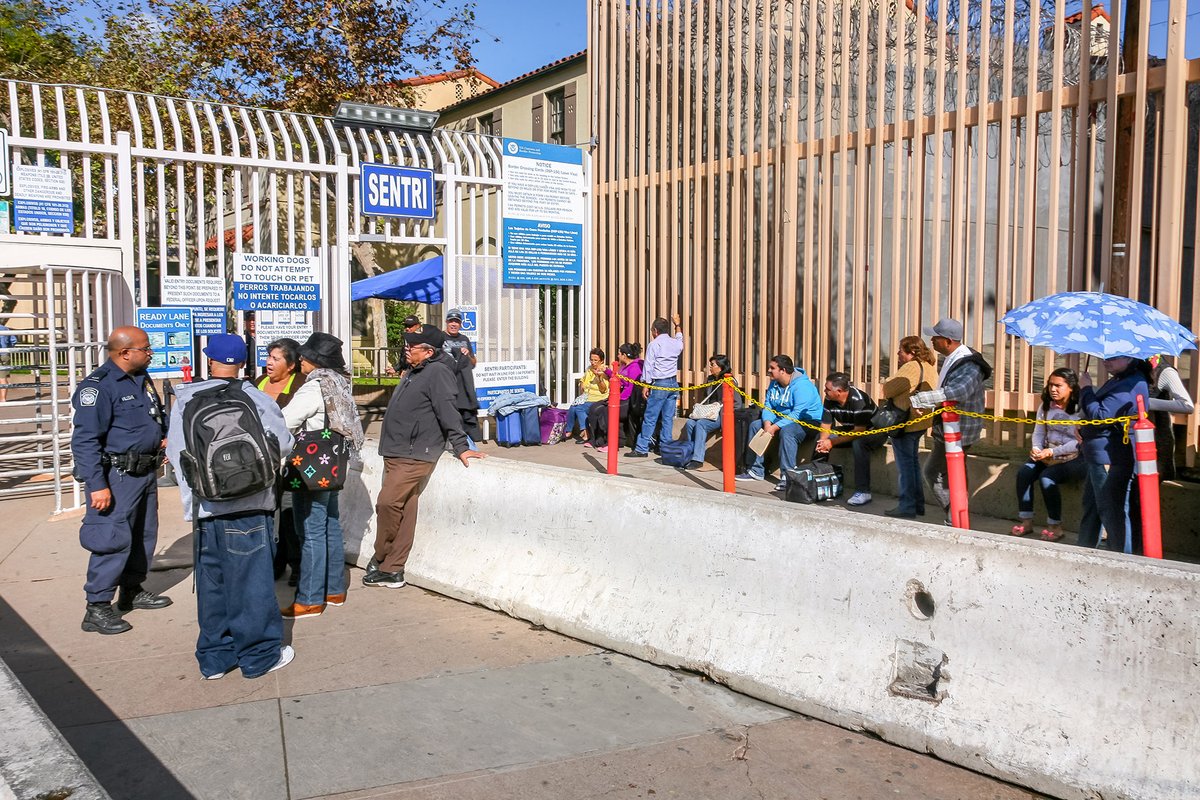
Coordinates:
457	346
961	380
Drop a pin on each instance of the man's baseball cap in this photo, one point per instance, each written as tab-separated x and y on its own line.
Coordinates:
454	314
428	335
410	321
226	348
946	328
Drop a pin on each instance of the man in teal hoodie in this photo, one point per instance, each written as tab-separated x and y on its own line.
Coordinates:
791	396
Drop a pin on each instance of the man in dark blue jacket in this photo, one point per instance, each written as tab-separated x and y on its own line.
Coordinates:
420	418
117	446
1108	456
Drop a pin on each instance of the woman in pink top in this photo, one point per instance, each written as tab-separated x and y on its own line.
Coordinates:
597	418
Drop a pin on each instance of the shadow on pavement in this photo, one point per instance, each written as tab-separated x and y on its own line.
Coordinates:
118	759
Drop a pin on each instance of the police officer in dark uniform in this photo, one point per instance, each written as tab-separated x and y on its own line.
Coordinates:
117	445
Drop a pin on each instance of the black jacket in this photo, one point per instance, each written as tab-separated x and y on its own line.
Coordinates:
421	415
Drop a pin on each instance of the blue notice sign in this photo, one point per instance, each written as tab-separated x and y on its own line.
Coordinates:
170	333
42	199
389	191
543	214
209	320
276	296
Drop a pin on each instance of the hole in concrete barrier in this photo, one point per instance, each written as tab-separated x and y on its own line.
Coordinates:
919	672
920	601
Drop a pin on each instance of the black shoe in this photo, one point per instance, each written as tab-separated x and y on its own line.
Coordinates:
372	565
294	578
137	597
385	580
636	454
899	514
103	618
694	465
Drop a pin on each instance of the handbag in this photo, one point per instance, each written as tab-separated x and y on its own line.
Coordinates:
709	411
887	415
580	400
318	462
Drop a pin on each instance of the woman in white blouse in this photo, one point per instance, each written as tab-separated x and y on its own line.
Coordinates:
324	401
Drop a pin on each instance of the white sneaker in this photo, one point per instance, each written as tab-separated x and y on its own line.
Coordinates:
859	499
286	654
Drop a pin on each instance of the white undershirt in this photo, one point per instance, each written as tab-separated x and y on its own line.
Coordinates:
962	352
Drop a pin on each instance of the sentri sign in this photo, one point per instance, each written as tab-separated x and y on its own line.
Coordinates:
389	191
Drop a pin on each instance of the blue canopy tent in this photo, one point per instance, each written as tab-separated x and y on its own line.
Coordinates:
420	282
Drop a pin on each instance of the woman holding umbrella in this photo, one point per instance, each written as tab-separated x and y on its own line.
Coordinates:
1107	455
1122	332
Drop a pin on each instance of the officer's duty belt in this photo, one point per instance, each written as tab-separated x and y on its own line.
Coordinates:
133	462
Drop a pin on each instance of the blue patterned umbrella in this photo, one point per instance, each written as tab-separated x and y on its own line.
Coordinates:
1102	325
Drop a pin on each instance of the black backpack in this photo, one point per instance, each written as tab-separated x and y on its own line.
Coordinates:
227	452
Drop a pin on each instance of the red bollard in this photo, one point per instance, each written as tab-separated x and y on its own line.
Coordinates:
1147	475
186	369
956	468
727	435
614	417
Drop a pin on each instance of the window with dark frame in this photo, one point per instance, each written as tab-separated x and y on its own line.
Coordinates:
487	125
557	133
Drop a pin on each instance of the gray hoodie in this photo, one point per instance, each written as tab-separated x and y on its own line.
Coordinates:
273	424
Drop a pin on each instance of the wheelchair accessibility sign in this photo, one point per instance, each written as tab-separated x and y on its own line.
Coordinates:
470	322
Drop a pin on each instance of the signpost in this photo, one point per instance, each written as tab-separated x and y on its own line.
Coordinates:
504	377
543	214
269	282
279	325
170	333
388	191
42	199
206	298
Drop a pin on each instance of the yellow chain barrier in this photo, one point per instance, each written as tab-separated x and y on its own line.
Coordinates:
1122	421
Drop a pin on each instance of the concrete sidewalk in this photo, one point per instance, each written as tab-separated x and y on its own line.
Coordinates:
405	694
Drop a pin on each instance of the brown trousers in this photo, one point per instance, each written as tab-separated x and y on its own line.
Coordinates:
396	510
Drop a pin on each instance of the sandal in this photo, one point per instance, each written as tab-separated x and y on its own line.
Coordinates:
1022	530
1051	536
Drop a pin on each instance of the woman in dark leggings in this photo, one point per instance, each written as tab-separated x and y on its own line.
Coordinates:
1107	456
597	416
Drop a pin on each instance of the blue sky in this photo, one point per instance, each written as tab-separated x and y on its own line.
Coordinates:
532	33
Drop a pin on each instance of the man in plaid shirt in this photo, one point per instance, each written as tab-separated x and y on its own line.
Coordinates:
961	380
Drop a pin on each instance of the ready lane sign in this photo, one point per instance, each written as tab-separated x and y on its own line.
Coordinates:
389	191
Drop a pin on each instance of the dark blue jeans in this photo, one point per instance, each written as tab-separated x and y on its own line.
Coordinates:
240	624
908	466
1050	477
322	553
660	407
1106	502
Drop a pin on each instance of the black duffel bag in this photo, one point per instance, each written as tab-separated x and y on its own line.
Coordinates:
814	482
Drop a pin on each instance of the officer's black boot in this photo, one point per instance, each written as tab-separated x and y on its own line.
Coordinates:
131	597
103	618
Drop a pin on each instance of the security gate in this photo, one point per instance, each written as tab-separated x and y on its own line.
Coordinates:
175	187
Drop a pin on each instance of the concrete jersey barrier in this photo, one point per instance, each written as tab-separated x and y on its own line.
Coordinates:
1073	672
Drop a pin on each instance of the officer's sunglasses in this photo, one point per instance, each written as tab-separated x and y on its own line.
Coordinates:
143	349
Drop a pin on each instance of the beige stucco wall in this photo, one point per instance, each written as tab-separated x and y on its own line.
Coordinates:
516	105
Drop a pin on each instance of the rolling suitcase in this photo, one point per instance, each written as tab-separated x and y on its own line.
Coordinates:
531	426
508	430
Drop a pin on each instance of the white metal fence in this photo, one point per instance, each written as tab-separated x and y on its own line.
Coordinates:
66	313
176	187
